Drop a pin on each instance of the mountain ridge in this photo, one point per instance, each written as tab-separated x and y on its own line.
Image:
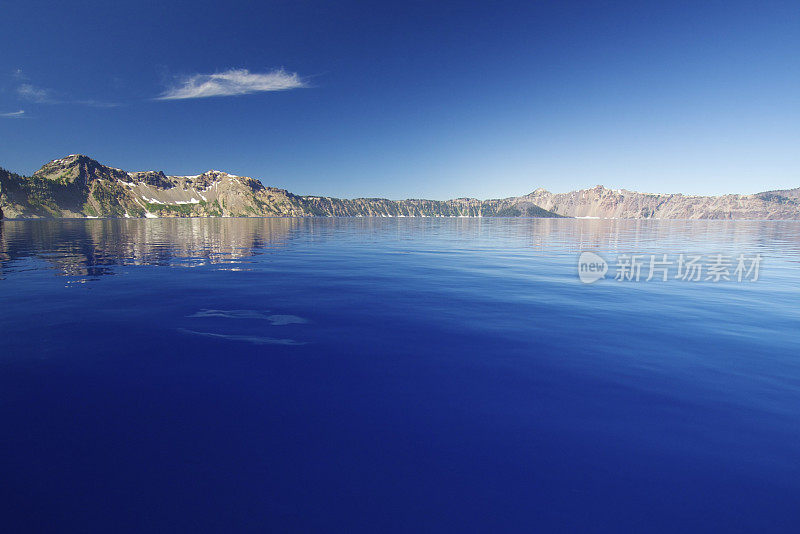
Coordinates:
602	202
79	186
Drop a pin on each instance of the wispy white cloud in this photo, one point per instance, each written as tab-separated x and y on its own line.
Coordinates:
40	95
13	114
233	82
35	94
95	103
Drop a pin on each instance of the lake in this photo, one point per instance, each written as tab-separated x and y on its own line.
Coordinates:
396	375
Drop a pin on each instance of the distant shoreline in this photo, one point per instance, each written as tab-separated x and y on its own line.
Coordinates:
79	187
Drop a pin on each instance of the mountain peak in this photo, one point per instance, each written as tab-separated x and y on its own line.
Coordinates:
76	167
219	173
72	159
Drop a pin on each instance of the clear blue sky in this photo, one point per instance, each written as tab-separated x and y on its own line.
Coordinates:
411	99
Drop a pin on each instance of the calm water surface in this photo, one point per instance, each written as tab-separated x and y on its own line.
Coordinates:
373	375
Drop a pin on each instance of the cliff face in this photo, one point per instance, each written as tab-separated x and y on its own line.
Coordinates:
622	204
78	186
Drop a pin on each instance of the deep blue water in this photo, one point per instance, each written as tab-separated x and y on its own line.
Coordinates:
394	375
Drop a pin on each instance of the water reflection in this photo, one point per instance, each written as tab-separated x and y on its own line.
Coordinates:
93	248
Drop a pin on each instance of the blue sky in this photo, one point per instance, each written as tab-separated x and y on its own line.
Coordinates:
413	99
